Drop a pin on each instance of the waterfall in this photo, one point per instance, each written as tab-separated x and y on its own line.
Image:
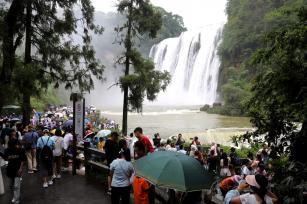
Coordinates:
193	63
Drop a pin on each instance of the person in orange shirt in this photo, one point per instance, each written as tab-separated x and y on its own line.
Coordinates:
141	187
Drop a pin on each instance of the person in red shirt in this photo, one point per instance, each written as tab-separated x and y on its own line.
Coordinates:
138	132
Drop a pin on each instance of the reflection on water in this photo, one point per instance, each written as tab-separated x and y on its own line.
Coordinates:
169	121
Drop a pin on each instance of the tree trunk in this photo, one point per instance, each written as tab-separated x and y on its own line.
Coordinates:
26	105
10	28
128	46
26	108
299	150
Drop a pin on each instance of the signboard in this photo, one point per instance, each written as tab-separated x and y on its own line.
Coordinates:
79	119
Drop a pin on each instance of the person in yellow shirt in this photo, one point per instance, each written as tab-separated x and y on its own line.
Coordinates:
100	144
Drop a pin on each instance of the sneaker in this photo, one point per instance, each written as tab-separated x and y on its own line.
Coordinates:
50	182
58	176
13	200
30	172
35	169
45	185
54	176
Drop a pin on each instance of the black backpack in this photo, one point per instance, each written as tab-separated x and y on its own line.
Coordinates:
46	152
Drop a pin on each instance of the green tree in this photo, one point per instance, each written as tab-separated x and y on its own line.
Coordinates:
48	27
142	80
248	22
278	105
279	102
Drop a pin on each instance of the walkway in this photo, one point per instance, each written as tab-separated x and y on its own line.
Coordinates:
68	190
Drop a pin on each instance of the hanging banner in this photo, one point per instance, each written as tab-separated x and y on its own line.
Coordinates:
79	119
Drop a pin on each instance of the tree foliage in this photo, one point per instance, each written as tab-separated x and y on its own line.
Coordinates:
248	23
279	103
51	54
143	81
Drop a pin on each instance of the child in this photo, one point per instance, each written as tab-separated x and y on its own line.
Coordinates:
16	157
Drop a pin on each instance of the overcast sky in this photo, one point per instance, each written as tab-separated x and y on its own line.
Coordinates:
196	13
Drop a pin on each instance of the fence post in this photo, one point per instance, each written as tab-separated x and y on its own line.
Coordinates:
87	156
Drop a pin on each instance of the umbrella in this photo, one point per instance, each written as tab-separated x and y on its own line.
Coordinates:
68	124
173	170
103	133
14	119
53	132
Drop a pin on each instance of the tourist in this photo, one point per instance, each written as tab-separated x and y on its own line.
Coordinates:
265	157
246	168
162	146
224	164
181	149
121	171
141	187
130	143
261	169
234	160
214	148
259	193
193	150
256	161
168	145
30	141
111	148
16	157
46	146
212	162
199	157
138	132
180	141
172	148
229	183
156	140
196	142
100	144
68	139
57	153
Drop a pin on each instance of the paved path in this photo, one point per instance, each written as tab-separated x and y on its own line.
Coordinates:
67	190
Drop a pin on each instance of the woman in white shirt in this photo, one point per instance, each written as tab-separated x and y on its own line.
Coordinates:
57	153
260	195
121	171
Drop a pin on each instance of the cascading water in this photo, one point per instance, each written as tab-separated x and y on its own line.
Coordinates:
193	63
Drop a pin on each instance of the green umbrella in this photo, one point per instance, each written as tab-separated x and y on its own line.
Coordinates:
173	170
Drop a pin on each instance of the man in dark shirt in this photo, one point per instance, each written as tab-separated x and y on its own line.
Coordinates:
16	157
157	140
212	162
111	148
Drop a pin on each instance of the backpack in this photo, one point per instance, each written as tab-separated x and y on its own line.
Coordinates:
46	152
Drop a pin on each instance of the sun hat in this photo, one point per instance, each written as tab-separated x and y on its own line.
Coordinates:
257	181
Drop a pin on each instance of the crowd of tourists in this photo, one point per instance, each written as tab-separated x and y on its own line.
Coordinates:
45	147
243	180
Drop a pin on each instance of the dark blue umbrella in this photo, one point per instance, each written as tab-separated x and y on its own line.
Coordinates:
68	124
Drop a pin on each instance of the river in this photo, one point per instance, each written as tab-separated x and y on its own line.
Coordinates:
188	120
